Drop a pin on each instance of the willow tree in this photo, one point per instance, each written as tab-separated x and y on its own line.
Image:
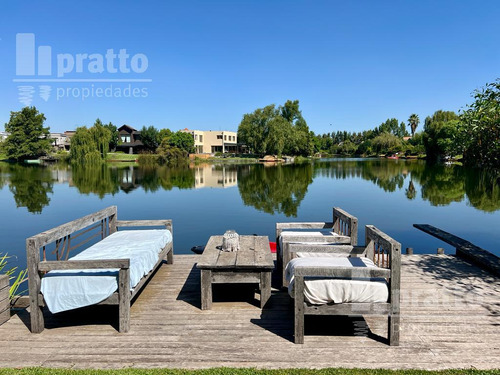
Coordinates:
90	146
276	130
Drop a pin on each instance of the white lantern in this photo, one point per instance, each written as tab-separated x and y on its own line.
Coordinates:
230	241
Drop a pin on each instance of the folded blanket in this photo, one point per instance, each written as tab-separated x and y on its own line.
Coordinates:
70	289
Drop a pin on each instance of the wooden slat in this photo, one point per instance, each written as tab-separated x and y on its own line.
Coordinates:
226	259
348	309
144	223
51	235
4	316
4	299
248	251
211	253
83	264
343	272
4	294
263	255
233	277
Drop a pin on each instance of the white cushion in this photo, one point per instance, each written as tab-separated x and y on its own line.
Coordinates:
322	290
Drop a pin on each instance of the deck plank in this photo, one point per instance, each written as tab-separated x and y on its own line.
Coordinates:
450	319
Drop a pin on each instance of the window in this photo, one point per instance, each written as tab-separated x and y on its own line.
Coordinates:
219	136
196	137
125	138
225	137
201	138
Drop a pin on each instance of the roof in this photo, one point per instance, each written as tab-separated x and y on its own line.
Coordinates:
127	127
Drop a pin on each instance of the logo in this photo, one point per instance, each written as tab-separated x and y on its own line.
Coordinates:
108	72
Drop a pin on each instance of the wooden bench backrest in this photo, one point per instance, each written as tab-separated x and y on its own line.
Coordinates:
102	223
345	224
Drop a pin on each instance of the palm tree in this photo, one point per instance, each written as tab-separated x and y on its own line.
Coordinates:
413	122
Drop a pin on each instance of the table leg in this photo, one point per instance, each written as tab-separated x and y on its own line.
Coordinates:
265	287
206	289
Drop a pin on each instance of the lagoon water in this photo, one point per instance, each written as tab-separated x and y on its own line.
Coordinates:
209	199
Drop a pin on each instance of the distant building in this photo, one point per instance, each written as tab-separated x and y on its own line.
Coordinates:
211	141
60	141
130	140
3	136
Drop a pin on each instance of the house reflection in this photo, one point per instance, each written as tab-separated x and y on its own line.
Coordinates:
215	176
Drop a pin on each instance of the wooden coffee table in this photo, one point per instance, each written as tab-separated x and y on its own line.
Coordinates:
252	263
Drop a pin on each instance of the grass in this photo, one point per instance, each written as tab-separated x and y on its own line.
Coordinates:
113	156
243	371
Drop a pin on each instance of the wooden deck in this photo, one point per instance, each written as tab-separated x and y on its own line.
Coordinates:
450	319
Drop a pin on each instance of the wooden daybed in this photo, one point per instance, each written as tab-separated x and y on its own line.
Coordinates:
385	253
342	230
102	224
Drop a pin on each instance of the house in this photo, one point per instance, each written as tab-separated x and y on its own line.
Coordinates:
60	141
130	140
3	136
211	141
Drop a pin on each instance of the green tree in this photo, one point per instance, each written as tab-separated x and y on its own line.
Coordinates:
149	137
440	133
413	121
101	136
277	130
480	128
115	136
386	143
90	146
28	139
164	133
254	128
183	141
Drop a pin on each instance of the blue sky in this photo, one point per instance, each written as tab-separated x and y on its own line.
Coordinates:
351	64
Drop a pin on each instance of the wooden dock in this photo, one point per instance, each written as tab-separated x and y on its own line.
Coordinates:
450	319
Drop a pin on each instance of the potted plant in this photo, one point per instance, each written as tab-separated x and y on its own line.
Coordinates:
7	292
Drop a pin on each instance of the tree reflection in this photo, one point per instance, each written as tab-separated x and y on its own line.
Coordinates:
411	192
483	190
30	185
278	189
442	185
97	179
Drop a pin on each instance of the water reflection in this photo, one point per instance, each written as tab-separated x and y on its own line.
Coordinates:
274	189
30	185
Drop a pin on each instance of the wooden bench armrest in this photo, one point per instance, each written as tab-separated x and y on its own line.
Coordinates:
344	215
356	272
144	223
46	266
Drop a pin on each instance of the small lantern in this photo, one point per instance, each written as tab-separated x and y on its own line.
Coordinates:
230	241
